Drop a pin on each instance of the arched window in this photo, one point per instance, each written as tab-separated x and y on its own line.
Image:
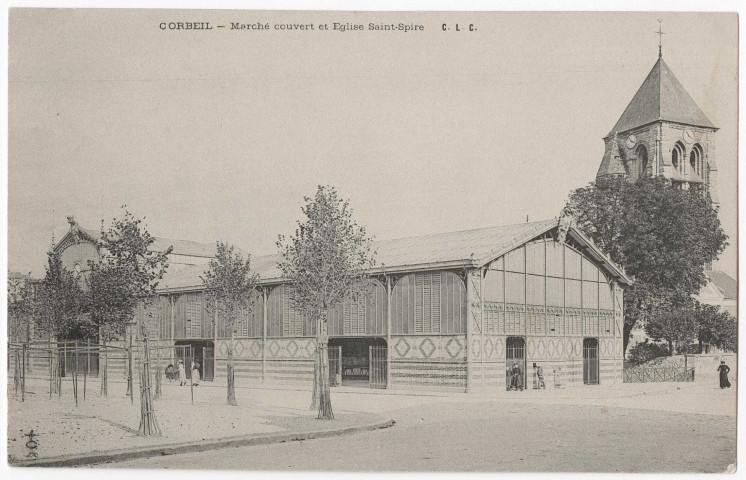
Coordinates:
695	159
677	157
642	161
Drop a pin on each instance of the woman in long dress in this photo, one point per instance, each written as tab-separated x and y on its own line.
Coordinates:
724	369
195	372
182	374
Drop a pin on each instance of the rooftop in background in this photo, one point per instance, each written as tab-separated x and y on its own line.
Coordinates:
725	283
661	97
181	247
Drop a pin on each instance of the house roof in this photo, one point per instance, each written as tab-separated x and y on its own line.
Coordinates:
661	97
466	248
160	244
725	283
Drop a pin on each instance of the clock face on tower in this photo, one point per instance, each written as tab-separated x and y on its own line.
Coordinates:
688	136
631	141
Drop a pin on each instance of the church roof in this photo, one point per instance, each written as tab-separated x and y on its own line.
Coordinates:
661	97
611	163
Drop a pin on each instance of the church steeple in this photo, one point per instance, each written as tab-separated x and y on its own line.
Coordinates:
662	132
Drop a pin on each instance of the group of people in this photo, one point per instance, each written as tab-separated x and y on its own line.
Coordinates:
516	377
180	372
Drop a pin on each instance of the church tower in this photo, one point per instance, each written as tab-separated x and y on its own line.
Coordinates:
662	132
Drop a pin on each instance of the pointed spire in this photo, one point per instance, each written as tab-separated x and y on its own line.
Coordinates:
661	97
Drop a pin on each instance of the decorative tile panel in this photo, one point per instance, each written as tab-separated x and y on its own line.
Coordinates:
440	347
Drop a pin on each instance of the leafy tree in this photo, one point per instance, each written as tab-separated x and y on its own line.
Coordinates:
662	235
59	303
645	351
674	323
230	290
326	261
21	306
716	327
127	276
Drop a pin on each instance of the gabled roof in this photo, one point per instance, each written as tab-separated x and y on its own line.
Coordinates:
160	244
467	248
661	97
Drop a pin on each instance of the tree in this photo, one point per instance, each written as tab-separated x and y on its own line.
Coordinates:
110	310
662	235
674	323
716	327
326	261
230	290
21	306
59	309
60	301
127	276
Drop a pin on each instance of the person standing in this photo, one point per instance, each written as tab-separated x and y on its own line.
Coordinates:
724	369
182	374
540	376
516	382
195	372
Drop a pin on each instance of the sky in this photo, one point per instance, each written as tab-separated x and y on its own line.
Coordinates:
220	134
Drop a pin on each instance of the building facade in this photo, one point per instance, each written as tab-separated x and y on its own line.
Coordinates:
449	312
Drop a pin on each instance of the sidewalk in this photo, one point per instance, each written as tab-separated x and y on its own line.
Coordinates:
101	424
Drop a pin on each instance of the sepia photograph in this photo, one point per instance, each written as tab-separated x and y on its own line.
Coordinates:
371	241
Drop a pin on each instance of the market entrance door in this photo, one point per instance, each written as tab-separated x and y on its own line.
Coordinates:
590	361
201	351
515	363
356	359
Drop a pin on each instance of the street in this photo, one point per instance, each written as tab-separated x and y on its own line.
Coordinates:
497	436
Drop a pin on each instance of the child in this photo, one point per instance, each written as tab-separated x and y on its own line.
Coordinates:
182	374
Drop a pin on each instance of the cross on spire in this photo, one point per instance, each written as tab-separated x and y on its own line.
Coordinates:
660	33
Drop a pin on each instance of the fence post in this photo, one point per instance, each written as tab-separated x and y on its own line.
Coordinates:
23	374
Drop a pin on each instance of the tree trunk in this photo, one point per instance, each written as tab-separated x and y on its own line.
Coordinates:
316	370
158	372
231	380
325	400
148	422
104	372
670	348
17	374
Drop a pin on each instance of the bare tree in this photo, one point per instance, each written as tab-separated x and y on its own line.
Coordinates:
326	261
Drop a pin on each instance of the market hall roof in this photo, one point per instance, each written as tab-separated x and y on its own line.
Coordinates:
462	249
661	97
